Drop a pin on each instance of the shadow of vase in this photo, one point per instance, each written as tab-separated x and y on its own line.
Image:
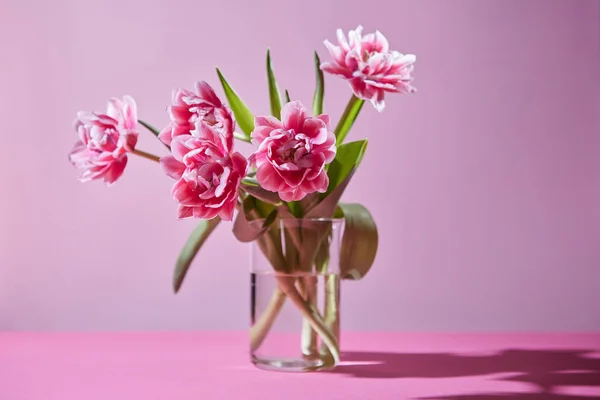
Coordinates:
546	369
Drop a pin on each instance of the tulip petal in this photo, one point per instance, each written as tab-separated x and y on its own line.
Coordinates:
114	109
336	70
315	129
293	116
335	52
239	162
269	178
115	170
378	100
184	212
172	167
376	42
226	212
183	193
179	113
129	113
206	92
219	190
179	148
165	134
342	40
294	194
320	183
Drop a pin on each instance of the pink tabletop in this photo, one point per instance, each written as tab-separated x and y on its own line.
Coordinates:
214	365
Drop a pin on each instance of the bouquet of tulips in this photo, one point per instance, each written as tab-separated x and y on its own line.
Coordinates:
299	170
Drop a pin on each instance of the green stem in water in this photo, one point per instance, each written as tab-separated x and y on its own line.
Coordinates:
287	286
332	310
347	119
260	329
146	155
308	285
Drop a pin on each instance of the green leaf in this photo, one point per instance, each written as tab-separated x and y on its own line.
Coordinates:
319	88
270	219
348	157
322	255
309	201
191	247
241	136
243	116
244	229
295	208
348	117
251	187
273	89
359	241
287	97
340	172
270	242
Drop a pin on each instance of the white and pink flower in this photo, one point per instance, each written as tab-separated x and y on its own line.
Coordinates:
292	152
208	179
189	111
370	67
105	140
202	160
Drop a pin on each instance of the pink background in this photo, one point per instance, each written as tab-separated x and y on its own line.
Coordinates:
487	187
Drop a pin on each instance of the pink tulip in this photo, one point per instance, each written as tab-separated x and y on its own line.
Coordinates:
292	152
190	111
208	179
104	140
369	66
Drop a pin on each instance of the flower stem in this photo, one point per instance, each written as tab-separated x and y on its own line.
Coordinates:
332	310
152	129
146	155
261	328
308	289
149	127
286	285
347	119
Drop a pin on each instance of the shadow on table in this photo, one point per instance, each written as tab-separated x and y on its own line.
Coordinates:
546	369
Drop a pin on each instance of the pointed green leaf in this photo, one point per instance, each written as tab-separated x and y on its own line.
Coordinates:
243	116
319	88
348	157
287	97
359	241
348	117
241	136
244	227
327	206
310	201
273	89
340	172
191	247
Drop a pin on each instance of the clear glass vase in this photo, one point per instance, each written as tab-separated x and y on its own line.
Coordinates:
295	295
